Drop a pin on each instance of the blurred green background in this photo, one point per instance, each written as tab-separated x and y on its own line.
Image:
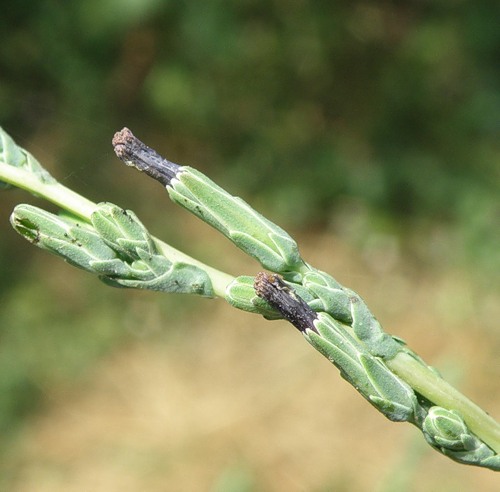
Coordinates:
370	126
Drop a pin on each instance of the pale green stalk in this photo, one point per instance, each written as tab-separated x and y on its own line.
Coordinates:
51	191
429	384
220	280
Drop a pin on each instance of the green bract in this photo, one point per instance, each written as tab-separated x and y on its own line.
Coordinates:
346	306
392	396
13	155
122	231
246	228
332	297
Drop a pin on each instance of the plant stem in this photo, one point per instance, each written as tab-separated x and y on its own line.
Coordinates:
220	280
83	208
53	192
437	390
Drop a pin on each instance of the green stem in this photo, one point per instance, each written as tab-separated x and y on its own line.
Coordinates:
220	280
82	207
53	192
437	390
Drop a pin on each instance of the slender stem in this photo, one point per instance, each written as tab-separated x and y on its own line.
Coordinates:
83	208
437	390
220	280
52	192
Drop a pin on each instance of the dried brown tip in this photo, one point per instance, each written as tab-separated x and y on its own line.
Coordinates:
272	288
120	140
135	153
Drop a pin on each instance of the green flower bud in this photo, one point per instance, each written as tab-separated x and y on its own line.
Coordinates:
334	299
246	228
122	230
120	251
77	243
445	428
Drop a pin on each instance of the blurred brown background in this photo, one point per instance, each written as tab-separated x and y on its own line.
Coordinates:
369	130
